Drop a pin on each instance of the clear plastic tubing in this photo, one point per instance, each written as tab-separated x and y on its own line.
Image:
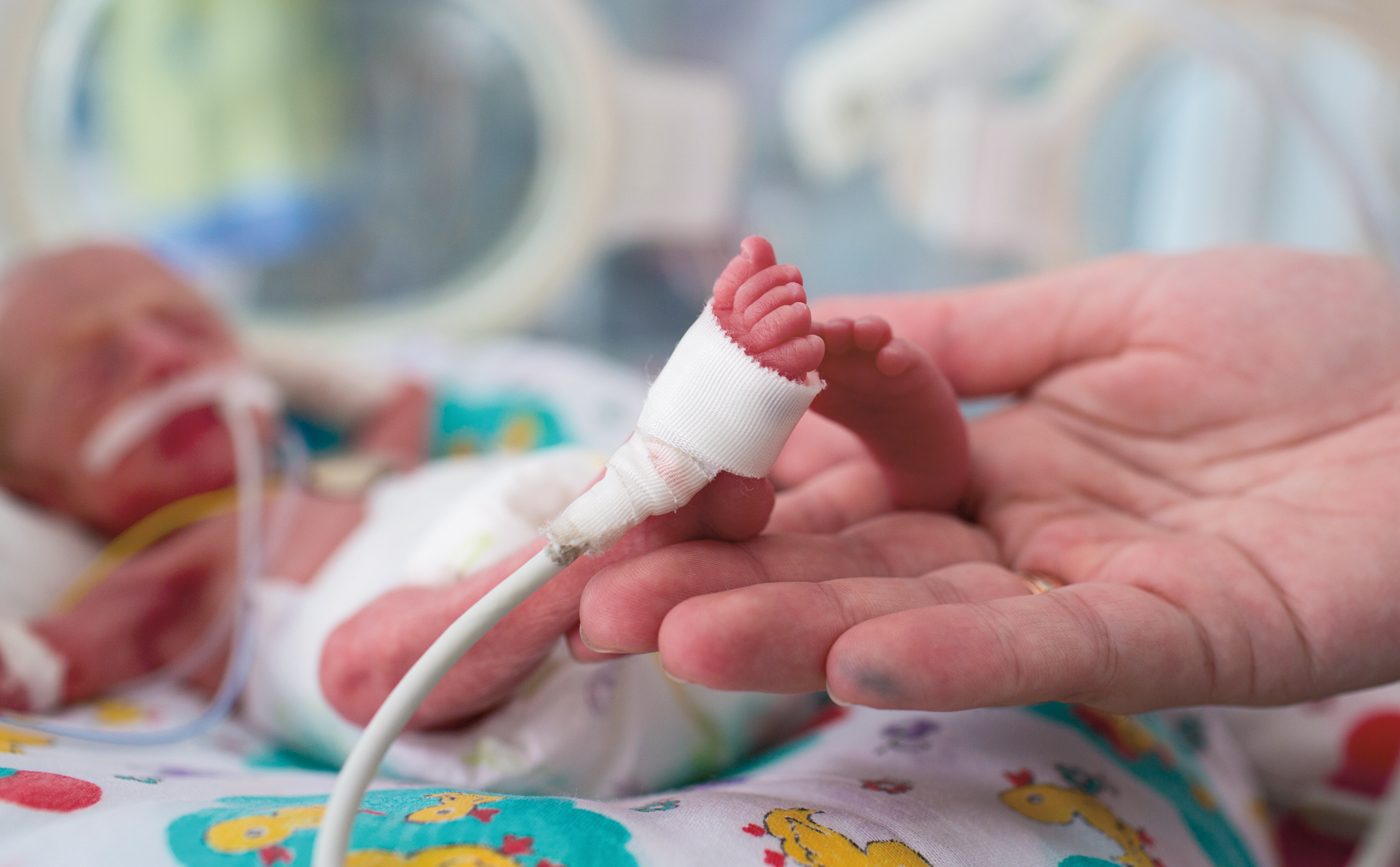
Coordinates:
240	419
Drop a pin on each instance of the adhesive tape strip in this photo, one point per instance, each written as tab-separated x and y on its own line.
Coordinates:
29	660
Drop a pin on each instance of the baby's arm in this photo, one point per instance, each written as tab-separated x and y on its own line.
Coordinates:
147	613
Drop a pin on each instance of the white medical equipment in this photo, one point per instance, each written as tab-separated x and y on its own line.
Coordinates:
336	166
1049	130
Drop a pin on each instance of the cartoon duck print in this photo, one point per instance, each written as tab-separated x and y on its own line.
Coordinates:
810	843
267	830
1060	805
405	828
438	856
261	833
455	805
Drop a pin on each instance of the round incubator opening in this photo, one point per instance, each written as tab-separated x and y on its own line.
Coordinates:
323	163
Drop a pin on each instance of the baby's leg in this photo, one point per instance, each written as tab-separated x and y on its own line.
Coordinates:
891	394
763	308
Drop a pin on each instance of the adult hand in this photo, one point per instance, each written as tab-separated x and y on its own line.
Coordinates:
1206	449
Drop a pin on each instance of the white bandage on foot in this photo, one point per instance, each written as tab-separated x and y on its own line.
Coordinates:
29	661
712	409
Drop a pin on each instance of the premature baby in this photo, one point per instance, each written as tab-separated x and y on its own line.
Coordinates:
358	587
86	331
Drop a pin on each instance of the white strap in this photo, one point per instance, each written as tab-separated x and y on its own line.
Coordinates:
717	404
29	660
712	409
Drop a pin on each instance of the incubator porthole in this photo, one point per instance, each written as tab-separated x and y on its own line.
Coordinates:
325	162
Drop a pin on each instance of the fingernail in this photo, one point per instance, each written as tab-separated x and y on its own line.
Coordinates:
671	677
837	701
583	637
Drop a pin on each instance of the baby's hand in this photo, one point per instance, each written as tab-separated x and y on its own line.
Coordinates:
149	611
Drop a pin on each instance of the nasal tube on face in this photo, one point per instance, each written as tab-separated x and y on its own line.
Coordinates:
143	415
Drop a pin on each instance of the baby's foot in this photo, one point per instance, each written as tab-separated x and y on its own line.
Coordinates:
763	308
891	394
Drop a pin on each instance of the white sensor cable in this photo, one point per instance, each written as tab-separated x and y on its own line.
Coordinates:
712	409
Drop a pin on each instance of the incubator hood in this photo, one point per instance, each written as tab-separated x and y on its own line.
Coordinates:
330	166
1049	130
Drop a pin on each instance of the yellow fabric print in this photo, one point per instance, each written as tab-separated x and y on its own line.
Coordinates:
14	740
251	833
1059	805
438	856
118	712
808	842
451	805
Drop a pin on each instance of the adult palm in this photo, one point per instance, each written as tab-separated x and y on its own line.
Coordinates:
1206	449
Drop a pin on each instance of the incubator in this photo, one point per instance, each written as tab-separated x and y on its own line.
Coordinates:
339	168
1047	131
334	167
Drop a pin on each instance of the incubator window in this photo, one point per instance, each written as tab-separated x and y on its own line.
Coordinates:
305	156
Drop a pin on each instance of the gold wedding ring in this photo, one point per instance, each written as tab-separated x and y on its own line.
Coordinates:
1039	582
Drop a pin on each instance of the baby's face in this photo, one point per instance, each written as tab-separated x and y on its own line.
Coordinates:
81	333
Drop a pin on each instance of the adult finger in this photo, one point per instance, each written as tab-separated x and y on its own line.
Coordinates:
1116	646
1005	337
776	637
624	604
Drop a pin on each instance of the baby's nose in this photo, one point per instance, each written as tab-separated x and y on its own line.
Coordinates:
160	351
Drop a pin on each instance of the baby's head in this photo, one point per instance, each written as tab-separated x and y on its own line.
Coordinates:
81	332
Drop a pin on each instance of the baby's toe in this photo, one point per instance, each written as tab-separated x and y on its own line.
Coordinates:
871	333
778	327
896	357
837	335
765	281
780	296
755	255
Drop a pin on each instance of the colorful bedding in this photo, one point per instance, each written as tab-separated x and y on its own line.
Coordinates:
1053	785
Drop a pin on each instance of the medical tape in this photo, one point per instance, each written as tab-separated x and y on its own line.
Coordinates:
28	659
713	409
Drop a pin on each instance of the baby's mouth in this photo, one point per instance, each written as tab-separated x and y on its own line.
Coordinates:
178	412
186	430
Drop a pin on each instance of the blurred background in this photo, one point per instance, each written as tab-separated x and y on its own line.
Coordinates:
581	169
